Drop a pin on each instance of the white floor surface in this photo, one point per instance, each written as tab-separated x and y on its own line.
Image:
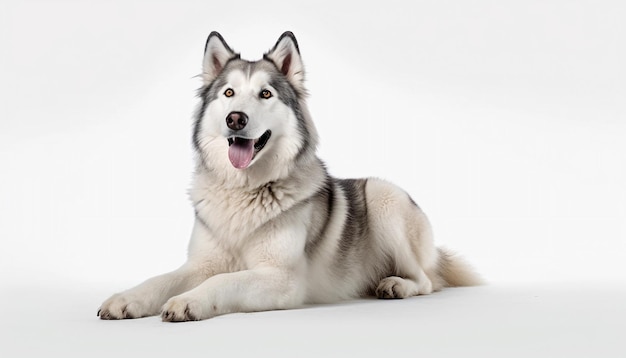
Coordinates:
488	321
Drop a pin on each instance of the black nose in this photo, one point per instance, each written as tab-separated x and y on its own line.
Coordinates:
236	120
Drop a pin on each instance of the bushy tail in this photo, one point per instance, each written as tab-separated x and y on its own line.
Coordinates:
455	271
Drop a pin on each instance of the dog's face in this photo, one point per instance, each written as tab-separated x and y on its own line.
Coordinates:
250	111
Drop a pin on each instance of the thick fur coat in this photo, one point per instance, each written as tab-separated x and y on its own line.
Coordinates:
273	229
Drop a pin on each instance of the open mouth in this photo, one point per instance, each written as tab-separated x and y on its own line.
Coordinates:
241	151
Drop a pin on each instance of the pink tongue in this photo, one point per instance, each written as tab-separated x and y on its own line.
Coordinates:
241	152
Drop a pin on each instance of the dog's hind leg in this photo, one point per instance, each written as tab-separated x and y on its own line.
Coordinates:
411	280
401	231
396	287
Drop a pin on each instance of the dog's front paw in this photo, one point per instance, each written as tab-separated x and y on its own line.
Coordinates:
181	309
122	306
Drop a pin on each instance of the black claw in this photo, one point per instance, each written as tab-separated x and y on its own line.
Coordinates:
125	313
188	315
393	292
166	316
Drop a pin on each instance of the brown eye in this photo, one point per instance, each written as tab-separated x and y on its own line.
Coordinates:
229	92
266	94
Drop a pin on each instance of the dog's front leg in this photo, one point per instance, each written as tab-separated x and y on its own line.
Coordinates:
275	279
259	289
147	298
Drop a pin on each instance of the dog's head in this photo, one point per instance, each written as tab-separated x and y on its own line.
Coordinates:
252	113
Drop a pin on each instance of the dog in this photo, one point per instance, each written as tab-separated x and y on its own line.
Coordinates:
273	230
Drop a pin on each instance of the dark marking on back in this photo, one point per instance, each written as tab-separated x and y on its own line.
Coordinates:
325	198
356	224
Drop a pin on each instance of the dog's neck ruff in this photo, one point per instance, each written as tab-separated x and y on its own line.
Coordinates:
251	197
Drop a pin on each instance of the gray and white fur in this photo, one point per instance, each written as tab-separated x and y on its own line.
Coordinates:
273	229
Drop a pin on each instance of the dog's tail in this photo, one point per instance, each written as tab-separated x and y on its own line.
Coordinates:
455	271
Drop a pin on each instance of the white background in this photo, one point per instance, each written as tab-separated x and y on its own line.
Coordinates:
505	120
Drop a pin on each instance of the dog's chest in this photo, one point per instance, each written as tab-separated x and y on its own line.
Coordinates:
235	215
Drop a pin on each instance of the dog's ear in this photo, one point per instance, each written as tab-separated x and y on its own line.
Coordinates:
216	54
286	56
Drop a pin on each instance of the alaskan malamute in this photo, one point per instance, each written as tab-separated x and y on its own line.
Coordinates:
273	230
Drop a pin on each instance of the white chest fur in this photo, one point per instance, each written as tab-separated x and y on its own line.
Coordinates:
235	213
